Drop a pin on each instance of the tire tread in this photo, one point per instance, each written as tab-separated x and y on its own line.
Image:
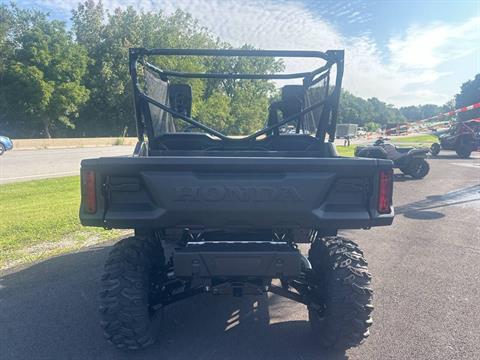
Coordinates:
347	317
124	309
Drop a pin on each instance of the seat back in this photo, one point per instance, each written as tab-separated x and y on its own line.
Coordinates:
180	97
392	152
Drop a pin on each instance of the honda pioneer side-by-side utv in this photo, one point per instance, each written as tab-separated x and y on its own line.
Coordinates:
224	215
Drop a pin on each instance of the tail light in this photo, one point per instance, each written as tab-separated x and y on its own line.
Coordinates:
89	191
385	189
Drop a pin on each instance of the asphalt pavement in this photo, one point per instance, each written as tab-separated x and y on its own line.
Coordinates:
24	165
425	269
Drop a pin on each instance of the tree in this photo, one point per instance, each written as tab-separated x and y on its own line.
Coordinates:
249	99
13	21
53	82
215	111
6	25
420	112
469	94
109	109
6	50
355	110
42	83
371	126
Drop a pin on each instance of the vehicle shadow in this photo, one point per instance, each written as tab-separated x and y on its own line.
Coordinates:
446	157
400	177
422	210
452	155
423	215
49	310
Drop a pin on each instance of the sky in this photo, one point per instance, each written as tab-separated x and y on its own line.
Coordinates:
403	52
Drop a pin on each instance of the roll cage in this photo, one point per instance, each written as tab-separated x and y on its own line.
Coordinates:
325	121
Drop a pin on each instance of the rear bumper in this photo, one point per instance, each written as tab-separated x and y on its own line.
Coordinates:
236	193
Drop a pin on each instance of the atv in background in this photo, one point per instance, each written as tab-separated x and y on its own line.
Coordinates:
463	137
410	161
221	214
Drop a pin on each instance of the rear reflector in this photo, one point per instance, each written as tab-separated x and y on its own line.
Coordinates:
385	188
89	192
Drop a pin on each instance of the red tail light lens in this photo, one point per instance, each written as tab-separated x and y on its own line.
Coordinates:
89	192
385	189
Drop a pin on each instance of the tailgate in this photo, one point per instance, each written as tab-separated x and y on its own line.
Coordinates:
235	192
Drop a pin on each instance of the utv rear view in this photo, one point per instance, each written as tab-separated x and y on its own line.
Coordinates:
224	215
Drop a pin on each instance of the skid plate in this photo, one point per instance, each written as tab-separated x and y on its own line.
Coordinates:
221	259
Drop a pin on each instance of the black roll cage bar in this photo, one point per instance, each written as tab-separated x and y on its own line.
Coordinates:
328	117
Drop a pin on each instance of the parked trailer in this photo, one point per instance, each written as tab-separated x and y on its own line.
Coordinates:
346	131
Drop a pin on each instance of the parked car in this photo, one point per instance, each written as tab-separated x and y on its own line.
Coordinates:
361	132
5	144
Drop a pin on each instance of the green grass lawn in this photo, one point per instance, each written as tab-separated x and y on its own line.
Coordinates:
418	140
40	219
346	150
422	139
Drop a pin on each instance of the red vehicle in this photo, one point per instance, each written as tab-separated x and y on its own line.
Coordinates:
463	137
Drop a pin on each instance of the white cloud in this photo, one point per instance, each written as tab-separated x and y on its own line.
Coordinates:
402	74
428	47
422	96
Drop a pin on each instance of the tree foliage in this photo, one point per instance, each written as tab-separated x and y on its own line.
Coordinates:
469	94
421	112
355	110
221	104
41	83
55	82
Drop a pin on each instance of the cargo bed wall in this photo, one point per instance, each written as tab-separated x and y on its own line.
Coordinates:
235	192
